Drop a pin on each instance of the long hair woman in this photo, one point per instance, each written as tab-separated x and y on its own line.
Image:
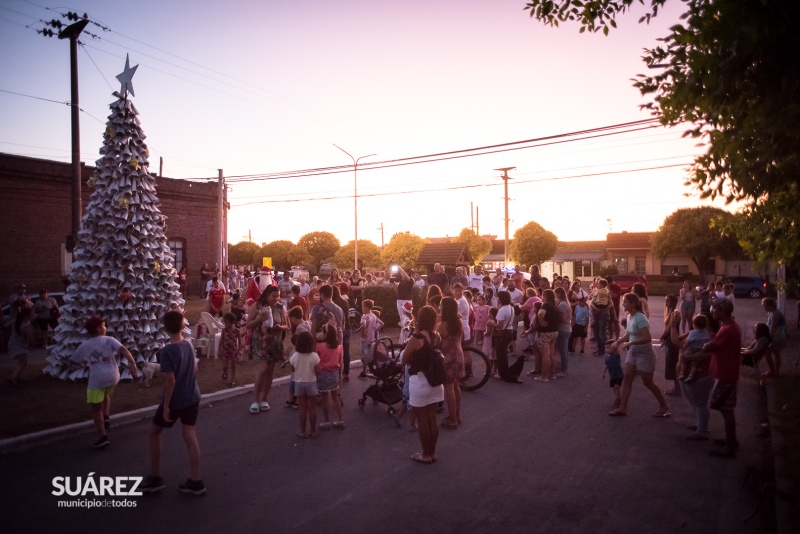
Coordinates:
672	317
640	359
451	330
423	397
548	319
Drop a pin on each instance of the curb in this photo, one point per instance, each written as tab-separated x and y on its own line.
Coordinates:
43	437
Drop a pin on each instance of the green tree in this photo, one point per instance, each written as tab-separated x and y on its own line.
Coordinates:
403	249
696	233
369	255
731	70
321	246
278	251
300	256
242	253
533	244
478	246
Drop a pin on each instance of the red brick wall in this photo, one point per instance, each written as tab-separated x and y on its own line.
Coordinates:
35	215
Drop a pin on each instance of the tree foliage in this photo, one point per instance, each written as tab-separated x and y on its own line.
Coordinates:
369	255
533	244
403	249
278	251
321	246
299	256
731	69
478	246
696	233
242	253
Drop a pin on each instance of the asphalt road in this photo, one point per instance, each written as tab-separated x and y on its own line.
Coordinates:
528	458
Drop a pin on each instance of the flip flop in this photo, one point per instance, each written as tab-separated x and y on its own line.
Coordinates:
662	414
616	413
417	457
254	408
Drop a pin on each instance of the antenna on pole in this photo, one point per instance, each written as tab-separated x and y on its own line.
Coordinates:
506	178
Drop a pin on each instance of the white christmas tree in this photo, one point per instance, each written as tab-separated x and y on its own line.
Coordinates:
122	267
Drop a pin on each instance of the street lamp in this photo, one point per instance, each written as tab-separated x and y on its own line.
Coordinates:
355	196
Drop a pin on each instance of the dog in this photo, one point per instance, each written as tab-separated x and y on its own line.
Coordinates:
148	371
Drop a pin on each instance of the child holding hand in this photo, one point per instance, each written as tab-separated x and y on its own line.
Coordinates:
613	367
229	347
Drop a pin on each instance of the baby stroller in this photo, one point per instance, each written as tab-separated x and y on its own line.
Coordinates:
387	369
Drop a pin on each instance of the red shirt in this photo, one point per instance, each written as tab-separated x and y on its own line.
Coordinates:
725	360
300	301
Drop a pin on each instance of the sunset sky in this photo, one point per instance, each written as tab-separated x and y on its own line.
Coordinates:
257	88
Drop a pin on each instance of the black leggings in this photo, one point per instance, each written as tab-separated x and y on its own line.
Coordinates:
506	372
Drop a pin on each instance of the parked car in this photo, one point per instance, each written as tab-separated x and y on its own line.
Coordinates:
626	281
754	287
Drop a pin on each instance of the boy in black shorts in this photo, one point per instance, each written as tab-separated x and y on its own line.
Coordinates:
181	401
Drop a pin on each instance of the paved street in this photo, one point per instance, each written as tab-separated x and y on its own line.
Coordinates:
528	458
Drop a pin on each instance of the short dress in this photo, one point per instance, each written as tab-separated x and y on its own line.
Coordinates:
454	358
227	344
420	392
268	348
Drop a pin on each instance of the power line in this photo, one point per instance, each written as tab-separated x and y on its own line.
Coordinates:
453	154
464	186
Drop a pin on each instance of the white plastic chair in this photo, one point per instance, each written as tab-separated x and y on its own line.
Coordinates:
213	331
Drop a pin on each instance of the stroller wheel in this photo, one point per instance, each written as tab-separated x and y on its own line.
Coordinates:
361	403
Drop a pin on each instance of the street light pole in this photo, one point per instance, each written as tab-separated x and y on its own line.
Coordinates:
355	197
506	178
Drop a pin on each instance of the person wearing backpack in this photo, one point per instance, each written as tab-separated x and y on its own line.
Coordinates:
419	354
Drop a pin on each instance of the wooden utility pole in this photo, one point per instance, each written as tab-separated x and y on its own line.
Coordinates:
506	178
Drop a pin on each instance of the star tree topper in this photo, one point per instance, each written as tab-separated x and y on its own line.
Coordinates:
126	78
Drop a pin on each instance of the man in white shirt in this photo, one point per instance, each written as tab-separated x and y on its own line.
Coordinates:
304	287
476	279
516	294
418	281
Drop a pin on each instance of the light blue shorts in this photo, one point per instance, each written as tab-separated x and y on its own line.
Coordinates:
306	389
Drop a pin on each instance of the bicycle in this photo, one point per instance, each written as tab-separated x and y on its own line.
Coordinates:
476	369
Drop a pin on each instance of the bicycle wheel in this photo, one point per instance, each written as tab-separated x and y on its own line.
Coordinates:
355	320
476	369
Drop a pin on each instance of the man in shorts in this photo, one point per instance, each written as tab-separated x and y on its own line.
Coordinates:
725	351
181	401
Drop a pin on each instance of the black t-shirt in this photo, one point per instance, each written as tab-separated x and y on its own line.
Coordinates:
551	317
438	279
405	289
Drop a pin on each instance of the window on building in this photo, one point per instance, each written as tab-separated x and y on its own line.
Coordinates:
621	264
640	267
178	248
585	268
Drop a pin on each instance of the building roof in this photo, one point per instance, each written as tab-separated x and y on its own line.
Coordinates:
629	240
580	251
445	253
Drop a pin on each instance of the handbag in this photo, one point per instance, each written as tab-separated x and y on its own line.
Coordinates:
436	373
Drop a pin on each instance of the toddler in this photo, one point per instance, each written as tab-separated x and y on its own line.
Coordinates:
229	347
305	366
370	325
581	322
614	369
698	336
481	310
331	363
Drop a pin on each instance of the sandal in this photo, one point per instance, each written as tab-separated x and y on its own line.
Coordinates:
302	435
254	408
325	426
449	424
338	424
417	457
662	413
616	413
264	406
232	385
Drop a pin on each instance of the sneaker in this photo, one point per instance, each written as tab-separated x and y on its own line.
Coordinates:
541	379
152	484
195	487
292	404
561	375
102	442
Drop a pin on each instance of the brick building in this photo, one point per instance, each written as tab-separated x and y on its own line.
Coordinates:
35	215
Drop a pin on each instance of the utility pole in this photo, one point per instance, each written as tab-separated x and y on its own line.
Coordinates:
381	229
220	219
506	178
72	32
355	198
471	217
